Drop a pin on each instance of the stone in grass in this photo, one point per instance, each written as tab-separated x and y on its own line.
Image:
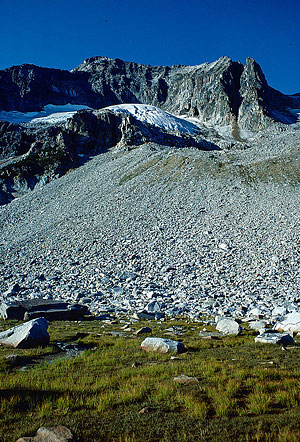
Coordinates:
183	379
283	339
175	358
143	330
144	315
145	410
16	360
209	335
136	364
229	326
162	345
30	334
51	434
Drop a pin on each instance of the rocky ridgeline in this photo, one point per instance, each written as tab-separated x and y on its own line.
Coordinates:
221	92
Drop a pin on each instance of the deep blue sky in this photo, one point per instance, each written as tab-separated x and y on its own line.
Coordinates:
62	33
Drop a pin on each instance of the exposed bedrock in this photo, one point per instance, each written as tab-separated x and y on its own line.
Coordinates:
222	92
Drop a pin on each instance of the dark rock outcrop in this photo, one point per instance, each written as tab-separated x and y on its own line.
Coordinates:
35	308
51	150
28	88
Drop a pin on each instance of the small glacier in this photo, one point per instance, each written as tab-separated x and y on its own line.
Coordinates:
156	117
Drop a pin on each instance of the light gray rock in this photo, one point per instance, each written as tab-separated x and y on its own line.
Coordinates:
290	323
30	334
144	315
162	345
12	310
228	326
279	311
50	434
255	313
275	338
257	325
153	307
183	379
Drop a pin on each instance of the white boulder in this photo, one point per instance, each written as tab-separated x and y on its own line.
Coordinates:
290	323
257	325
279	311
30	334
228	326
162	345
275	338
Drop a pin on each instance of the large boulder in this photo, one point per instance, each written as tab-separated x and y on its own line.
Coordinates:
153	307
36	308
228	326
30	334
162	345
74	312
283	339
290	323
146	315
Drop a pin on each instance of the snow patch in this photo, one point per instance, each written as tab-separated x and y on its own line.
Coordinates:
156	117
51	114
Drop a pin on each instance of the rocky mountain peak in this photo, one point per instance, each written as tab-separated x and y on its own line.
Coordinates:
223	92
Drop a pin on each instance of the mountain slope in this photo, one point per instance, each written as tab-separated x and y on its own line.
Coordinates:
196	232
52	121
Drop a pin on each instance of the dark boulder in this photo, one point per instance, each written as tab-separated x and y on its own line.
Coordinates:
50	309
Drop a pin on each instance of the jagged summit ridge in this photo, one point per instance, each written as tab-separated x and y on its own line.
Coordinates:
223	92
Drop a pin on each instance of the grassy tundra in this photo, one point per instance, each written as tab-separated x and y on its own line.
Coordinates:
245	391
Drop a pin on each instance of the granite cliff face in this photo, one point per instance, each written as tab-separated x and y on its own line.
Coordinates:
261	105
28	88
218	93
208	91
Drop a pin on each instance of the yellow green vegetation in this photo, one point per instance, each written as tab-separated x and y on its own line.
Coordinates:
178	167
246	391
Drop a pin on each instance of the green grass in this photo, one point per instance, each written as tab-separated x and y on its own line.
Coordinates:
98	394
